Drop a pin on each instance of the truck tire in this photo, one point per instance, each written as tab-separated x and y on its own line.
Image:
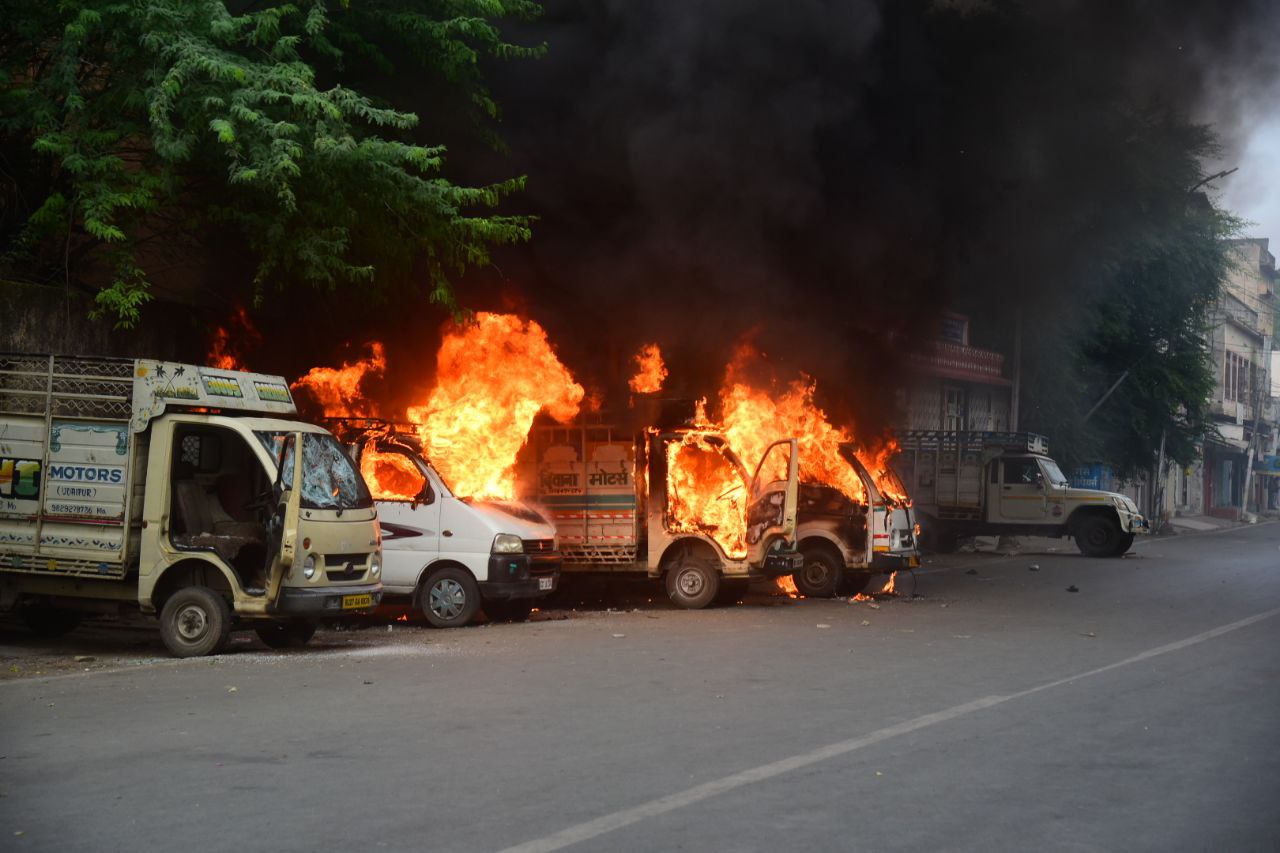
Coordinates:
1125	543
515	610
1098	536
450	598
195	621
822	573
693	583
283	635
47	621
855	582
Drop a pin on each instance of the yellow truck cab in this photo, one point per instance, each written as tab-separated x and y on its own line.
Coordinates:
996	483
184	491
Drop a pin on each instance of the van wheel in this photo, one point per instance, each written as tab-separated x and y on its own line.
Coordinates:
283	635
450	598
1098	536
693	583
47	621
195	621
821	574
515	610
855	582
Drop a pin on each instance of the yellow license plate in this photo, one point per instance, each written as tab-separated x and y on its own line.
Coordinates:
356	602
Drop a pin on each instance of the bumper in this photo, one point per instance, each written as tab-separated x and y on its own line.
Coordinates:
779	563
1136	524
519	576
328	601
887	561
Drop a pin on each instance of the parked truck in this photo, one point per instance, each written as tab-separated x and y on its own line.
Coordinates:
185	491
1005	483
450	557
606	489
846	542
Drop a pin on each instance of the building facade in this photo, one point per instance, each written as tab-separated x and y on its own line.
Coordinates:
955	386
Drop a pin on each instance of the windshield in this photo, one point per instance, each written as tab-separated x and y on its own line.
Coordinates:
1053	473
329	480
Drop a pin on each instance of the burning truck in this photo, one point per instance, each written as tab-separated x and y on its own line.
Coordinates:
667	501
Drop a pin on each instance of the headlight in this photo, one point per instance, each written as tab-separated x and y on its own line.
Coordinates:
507	543
375	564
309	567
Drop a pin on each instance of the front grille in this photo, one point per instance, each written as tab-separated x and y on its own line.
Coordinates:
538	546
345	567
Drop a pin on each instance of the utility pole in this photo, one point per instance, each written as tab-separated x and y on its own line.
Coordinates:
1017	369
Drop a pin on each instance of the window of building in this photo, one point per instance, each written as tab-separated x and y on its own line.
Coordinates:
952	408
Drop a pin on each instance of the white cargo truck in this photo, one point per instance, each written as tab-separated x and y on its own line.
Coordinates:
1005	483
450	557
846	542
185	491
605	488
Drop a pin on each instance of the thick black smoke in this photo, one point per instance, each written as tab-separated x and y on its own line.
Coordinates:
828	176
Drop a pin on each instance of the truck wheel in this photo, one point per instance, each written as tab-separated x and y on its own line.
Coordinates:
1125	543
693	583
1098	536
821	575
283	635
195	621
47	621
855	582
515	610
450	598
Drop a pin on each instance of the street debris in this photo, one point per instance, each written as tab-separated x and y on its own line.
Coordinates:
1073	588
971	572
619	636
865	623
1088	634
85	658
1035	567
233	689
821	625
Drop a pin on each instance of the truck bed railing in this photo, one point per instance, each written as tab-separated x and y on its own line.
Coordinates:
932	439
66	386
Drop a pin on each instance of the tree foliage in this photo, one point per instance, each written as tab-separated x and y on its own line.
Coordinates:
133	125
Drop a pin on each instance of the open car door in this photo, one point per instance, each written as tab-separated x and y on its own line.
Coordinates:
282	530
775	489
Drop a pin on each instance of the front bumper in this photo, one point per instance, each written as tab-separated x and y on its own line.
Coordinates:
887	561
519	576
779	563
1136	524
328	601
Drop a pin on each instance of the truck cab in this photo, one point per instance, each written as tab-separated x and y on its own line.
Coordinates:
846	542
450	557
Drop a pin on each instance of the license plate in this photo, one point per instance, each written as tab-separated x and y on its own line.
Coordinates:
356	602
545	583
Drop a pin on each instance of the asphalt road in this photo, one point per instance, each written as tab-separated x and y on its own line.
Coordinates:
994	710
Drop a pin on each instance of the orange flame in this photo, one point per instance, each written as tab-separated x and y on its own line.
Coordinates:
492	377
650	371
224	350
786	585
390	476
890	586
705	493
338	389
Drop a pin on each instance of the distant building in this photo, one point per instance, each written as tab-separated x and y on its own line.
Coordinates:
955	386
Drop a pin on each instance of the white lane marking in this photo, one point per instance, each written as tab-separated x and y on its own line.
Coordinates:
625	817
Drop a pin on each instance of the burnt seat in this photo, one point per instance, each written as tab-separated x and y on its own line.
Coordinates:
206	524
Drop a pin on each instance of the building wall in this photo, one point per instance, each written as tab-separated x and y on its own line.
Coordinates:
947	404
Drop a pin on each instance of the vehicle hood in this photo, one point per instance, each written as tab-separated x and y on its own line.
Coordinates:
1101	497
513	517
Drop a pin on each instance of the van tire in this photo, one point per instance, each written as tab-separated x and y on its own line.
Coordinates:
47	621
1098	536
513	610
284	635
449	598
693	583
821	575
195	621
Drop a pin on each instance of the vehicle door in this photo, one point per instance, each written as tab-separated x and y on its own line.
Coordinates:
875	517
408	504
775	491
1022	489
282	526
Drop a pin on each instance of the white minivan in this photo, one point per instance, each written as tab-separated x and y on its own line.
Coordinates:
450	556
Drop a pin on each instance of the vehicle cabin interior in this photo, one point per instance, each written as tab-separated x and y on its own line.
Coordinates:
819	501
215	483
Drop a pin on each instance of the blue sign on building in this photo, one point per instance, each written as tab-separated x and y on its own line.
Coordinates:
1096	476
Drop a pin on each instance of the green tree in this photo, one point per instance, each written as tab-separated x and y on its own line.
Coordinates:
133	125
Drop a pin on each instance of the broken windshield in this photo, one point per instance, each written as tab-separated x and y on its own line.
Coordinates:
329	480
